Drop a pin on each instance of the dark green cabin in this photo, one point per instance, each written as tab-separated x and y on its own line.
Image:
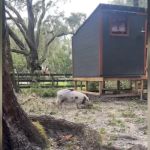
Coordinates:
111	43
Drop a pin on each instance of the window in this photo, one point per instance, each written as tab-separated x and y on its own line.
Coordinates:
119	25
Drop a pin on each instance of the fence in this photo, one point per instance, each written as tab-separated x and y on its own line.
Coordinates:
27	80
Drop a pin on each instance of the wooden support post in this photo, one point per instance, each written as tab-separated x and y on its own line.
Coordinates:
118	86
130	84
75	85
142	89
136	86
101	85
81	85
86	85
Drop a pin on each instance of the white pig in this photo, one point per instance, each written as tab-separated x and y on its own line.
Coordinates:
71	96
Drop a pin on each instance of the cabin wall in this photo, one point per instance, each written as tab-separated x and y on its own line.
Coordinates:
85	48
124	55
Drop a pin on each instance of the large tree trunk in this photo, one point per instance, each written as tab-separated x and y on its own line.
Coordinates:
34	61
17	128
148	2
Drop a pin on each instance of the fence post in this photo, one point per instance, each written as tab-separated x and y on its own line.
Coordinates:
52	80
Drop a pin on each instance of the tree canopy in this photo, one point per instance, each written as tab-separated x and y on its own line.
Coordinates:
43	22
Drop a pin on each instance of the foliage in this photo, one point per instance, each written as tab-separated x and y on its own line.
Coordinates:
59	58
93	87
19	62
75	19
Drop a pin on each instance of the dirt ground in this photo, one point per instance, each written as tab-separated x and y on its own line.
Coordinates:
120	122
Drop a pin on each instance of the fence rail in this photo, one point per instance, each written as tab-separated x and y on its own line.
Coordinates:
27	80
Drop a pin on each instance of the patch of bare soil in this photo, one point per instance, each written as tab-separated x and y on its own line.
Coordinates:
120	123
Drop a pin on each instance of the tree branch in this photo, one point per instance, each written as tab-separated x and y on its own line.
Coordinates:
40	22
56	36
31	21
43	58
18	15
27	39
16	39
20	52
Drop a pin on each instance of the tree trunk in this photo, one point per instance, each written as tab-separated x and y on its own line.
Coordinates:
7	145
18	129
34	61
148	2
11	67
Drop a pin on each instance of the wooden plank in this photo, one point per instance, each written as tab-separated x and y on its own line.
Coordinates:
104	89
44	86
92	93
121	95
44	80
126	78
89	79
29	74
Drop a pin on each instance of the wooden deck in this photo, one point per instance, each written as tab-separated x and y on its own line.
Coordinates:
118	92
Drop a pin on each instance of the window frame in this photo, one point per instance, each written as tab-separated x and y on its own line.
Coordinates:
111	22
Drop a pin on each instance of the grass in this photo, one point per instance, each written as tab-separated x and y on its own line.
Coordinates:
102	133
128	114
140	120
111	139
96	106
42	92
116	122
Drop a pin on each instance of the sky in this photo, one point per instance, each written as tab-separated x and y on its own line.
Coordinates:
84	6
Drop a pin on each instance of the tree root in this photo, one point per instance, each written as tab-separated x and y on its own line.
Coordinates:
90	138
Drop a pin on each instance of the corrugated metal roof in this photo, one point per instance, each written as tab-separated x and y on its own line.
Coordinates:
122	8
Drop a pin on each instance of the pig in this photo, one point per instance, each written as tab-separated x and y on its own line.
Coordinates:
72	96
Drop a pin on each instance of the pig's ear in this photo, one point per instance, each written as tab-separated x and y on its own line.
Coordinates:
84	100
